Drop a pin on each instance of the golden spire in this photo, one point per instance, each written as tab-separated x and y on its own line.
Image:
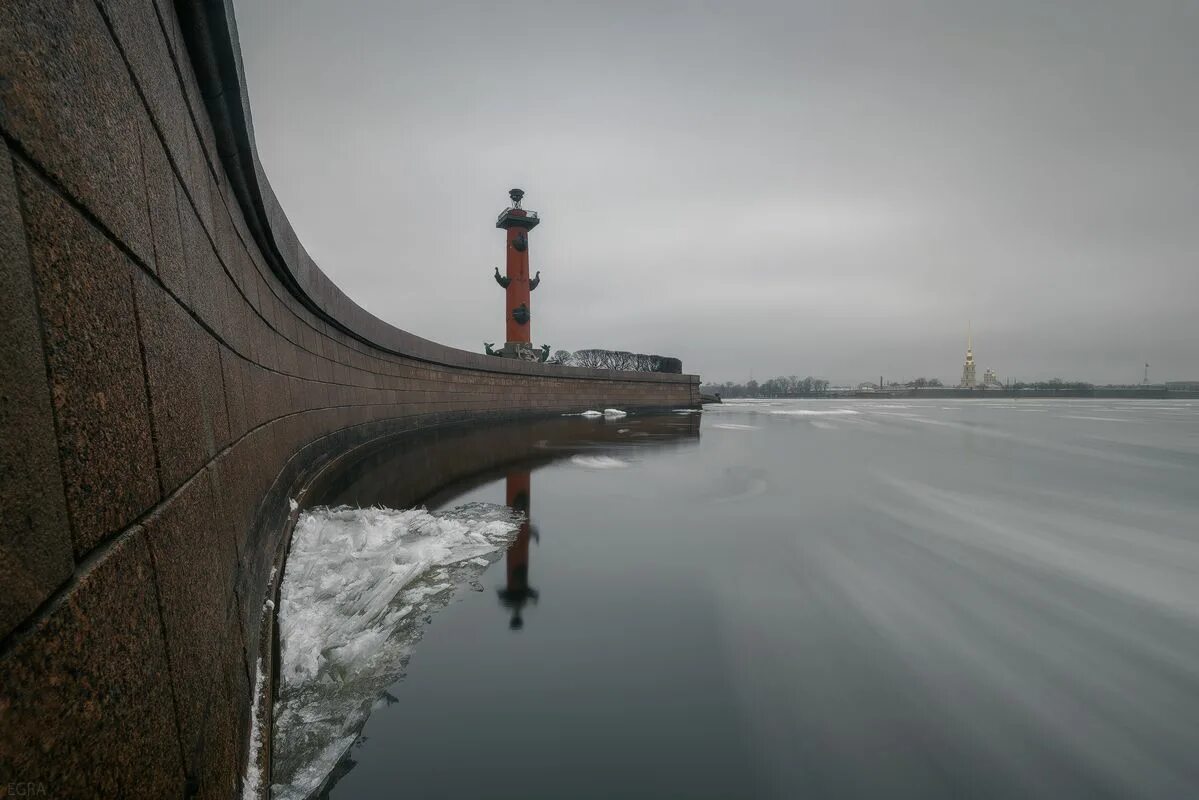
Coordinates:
968	368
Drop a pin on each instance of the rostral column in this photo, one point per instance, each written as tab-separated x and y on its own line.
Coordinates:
517	284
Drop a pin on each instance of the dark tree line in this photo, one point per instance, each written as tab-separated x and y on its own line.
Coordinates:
794	386
597	358
791	386
1055	384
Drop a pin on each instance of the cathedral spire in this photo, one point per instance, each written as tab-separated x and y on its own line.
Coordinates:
968	379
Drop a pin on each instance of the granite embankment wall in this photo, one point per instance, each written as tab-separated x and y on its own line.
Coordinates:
174	364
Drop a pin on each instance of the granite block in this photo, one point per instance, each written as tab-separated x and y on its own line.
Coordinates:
234	479
187	395
235	394
215	766
170	24
205	287
66	96
35	534
246	276
224	237
141	37
86	697
161	188
96	380
201	145
196	565
235	319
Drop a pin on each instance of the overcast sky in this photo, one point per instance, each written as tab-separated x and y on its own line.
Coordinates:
807	187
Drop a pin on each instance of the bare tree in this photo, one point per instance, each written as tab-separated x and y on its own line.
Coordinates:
588	358
669	364
599	358
648	363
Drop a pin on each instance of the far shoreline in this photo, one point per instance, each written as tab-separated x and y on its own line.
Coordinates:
984	394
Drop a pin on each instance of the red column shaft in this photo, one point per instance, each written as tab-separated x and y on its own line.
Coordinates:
518	483
518	289
517	560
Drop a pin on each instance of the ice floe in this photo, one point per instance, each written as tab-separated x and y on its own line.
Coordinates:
358	583
598	462
814	412
251	781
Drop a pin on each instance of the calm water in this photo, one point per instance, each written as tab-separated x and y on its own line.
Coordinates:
823	599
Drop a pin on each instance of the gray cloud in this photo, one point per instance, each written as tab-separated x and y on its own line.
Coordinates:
801	187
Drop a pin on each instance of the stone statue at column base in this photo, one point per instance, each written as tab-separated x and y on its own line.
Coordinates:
522	350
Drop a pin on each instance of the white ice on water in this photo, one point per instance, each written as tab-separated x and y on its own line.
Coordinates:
788	408
607	413
358	583
250	783
598	462
813	412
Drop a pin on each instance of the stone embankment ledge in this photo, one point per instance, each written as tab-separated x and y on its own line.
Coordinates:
175	365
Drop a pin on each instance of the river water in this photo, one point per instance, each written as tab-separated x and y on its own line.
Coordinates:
784	599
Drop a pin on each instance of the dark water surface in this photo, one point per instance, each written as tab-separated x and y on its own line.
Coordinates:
823	599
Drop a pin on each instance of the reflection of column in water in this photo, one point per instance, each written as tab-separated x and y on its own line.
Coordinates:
517	593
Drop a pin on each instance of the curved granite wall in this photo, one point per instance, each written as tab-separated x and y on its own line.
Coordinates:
175	366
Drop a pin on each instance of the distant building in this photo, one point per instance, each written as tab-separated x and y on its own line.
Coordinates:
991	380
968	379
